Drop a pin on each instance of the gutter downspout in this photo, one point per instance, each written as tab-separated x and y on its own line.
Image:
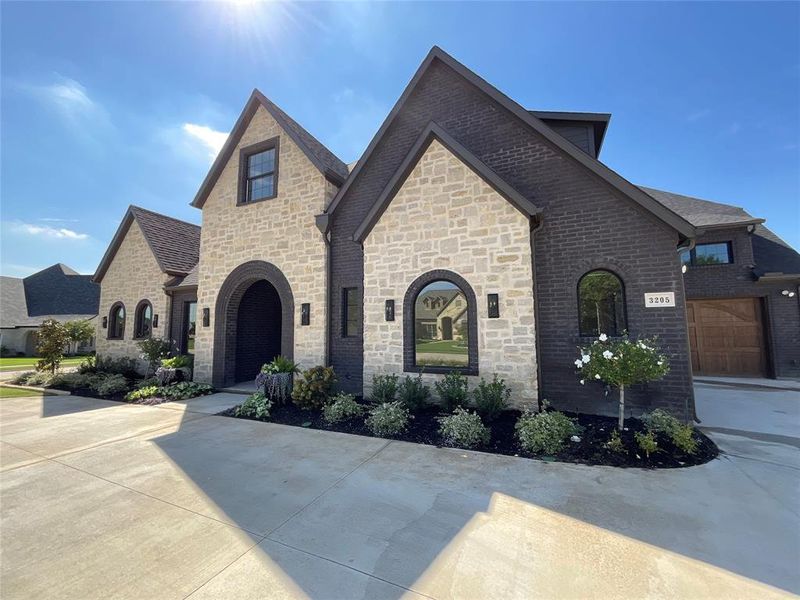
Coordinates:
689	244
328	271
536	224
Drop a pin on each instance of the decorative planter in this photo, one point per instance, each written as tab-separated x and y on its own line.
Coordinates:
276	386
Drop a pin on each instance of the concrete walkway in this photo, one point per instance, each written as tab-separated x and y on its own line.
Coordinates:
101	499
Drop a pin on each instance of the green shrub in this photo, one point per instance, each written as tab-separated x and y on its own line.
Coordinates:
256	406
176	362
119	366
313	390
150	391
388	418
109	384
660	421
491	398
22	378
683	438
52	338
153	351
647	442
341	407
544	432
413	393
452	390
39	378
88	364
280	364
384	388
463	429
184	390
615	443
143	383
72	381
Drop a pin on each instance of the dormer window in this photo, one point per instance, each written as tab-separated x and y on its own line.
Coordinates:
258	172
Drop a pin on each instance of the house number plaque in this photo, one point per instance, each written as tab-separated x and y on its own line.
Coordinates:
659	300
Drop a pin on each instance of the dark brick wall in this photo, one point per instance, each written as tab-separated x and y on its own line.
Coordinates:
587	225
737	281
258	327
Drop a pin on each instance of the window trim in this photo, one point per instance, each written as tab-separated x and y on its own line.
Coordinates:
693	254
244	154
624	303
345	313
137	319
112	320
409	345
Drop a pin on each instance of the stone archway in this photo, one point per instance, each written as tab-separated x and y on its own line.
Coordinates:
254	322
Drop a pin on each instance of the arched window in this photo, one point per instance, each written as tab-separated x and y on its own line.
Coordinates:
601	304
143	322
116	322
440	325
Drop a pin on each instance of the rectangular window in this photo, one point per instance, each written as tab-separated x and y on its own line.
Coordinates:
189	326
351	317
717	253
258	171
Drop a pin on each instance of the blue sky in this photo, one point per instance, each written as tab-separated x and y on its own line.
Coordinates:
110	104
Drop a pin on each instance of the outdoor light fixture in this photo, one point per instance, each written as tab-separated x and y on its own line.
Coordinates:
155	320
683	269
788	294
105	322
206	317
389	310
305	314
494	306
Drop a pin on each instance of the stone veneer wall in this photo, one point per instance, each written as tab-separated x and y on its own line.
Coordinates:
446	217
280	231
133	275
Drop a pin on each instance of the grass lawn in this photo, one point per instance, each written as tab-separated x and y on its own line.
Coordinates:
442	347
7	392
26	363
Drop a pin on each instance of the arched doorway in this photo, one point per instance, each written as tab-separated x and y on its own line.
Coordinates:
253	322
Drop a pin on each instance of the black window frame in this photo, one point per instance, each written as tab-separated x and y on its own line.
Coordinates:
620	331
693	254
112	321
138	319
346	312
186	320
242	198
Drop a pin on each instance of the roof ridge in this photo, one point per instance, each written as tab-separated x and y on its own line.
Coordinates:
134	207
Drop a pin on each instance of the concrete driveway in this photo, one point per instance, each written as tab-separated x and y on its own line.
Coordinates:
100	499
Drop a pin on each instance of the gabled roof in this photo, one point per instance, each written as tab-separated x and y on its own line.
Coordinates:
526	118
773	256
703	214
599	121
431	132
175	244
322	158
188	281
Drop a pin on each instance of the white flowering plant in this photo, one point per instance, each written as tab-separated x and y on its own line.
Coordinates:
621	362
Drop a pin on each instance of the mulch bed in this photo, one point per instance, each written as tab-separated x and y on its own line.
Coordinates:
424	429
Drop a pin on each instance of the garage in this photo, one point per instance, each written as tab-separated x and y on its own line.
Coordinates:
727	337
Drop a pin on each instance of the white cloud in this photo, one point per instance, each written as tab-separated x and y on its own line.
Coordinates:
698	114
213	140
61	233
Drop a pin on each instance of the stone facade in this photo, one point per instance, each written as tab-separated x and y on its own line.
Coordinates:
132	276
446	217
280	231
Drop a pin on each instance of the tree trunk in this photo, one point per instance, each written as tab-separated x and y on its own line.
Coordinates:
621	407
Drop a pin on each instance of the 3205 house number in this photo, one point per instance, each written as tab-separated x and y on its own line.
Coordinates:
659	299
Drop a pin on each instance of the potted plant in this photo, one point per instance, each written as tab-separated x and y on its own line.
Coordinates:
177	368
276	379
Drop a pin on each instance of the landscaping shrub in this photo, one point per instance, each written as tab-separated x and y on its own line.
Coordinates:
491	398
388	418
184	390
384	388
452	390
22	378
660	421
148	382
177	362
313	390
544	432
413	393
276	378
683	438
119	366
72	381
646	441
341	407
88	364
38	378
149	391
51	340
154	350
615	443
109	384
463	429
256	406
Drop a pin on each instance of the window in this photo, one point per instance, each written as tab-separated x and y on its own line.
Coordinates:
116	322
189	327
601	304
351	318
259	172
143	322
718	253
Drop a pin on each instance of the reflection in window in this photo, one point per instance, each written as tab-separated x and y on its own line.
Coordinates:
601	304
116	322
441	326
189	326
261	175
711	254
143	323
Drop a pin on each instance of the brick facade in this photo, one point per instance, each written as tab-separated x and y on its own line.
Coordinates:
445	217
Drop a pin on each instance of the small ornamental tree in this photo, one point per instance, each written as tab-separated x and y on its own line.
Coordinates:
621	363
51	341
152	351
78	333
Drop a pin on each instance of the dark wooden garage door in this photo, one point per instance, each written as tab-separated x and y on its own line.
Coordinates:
727	337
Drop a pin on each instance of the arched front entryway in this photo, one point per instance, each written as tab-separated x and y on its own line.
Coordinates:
254	322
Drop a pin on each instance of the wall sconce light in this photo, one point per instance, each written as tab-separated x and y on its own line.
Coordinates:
155	320
388	310
787	293
305	314
206	317
105	322
683	269
494	306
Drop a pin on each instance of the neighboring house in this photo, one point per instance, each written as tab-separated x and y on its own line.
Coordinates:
140	277
472	234
56	292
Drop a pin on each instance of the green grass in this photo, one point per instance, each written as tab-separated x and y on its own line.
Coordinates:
28	363
8	392
441	347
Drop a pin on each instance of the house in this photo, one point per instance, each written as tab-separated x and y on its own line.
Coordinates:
57	292
472	234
